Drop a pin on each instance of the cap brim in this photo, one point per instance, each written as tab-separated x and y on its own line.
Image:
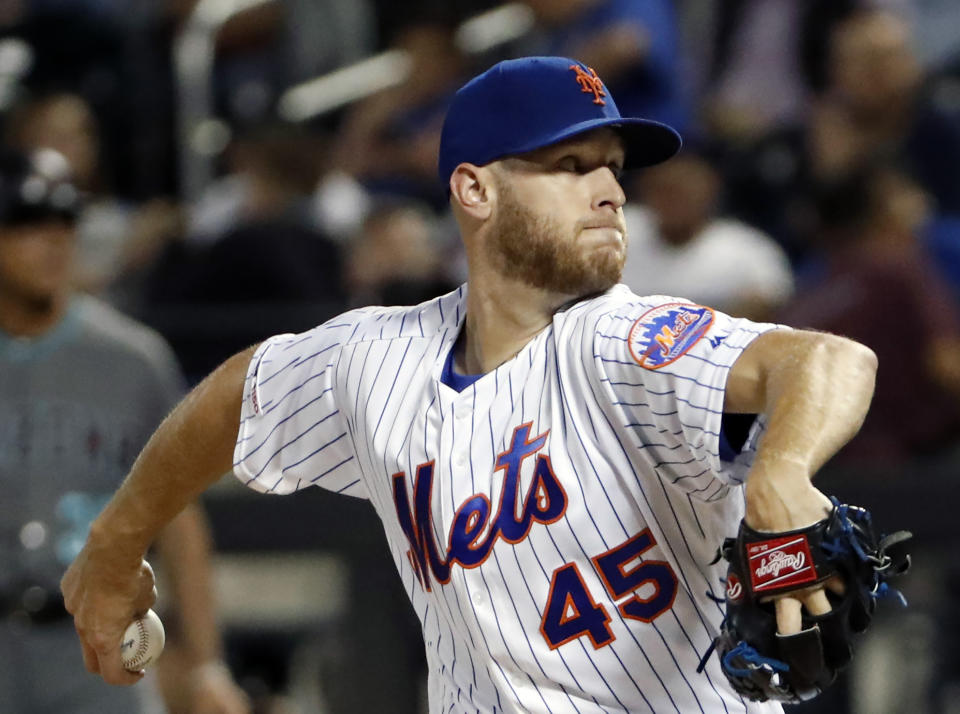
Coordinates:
646	142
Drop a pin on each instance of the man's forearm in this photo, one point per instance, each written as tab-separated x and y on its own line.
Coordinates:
190	450
816	400
815	390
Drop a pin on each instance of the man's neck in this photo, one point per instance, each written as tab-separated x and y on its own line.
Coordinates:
502	317
21	317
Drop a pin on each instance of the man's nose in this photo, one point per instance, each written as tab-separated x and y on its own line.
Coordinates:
607	189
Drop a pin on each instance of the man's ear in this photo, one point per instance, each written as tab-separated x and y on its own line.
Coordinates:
472	188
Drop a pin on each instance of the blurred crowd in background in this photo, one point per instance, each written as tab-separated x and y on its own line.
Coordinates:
819	186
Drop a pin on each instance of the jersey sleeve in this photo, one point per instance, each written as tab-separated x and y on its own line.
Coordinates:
667	364
293	433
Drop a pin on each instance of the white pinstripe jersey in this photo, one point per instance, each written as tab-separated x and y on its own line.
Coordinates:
554	522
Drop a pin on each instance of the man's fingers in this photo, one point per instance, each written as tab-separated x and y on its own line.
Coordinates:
90	659
112	671
104	646
144	601
788	615
817	603
146	596
789	609
835	585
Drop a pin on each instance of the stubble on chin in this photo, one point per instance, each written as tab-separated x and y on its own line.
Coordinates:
541	252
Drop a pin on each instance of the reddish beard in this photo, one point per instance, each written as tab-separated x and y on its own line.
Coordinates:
536	250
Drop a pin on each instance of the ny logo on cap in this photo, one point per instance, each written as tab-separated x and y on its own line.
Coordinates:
589	83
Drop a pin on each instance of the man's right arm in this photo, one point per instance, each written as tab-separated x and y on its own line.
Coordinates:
109	583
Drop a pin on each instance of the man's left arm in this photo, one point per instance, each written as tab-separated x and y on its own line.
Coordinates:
815	390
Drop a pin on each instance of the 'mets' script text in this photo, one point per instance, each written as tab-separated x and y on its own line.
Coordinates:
475	530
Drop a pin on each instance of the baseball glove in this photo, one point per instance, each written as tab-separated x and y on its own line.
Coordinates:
760	663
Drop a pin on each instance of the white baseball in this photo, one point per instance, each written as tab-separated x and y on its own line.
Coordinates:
142	642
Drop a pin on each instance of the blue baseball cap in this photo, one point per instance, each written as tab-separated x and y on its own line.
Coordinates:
524	104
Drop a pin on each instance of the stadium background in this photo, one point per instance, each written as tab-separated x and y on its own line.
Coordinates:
257	166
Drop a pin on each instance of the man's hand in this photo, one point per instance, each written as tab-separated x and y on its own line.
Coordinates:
780	502
105	592
789	607
792	655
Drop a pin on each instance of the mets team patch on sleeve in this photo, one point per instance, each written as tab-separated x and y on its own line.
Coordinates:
665	333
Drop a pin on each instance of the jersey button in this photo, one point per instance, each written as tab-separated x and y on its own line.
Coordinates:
478	599
461	459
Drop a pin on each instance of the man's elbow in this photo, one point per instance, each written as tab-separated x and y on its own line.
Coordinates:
852	367
856	356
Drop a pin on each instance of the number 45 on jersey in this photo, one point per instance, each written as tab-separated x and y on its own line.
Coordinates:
572	611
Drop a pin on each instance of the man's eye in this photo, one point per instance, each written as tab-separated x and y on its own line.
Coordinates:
569	163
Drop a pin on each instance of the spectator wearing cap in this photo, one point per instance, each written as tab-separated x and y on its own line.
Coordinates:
82	387
116	240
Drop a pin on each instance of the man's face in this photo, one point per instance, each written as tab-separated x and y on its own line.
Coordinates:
558	223
35	261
